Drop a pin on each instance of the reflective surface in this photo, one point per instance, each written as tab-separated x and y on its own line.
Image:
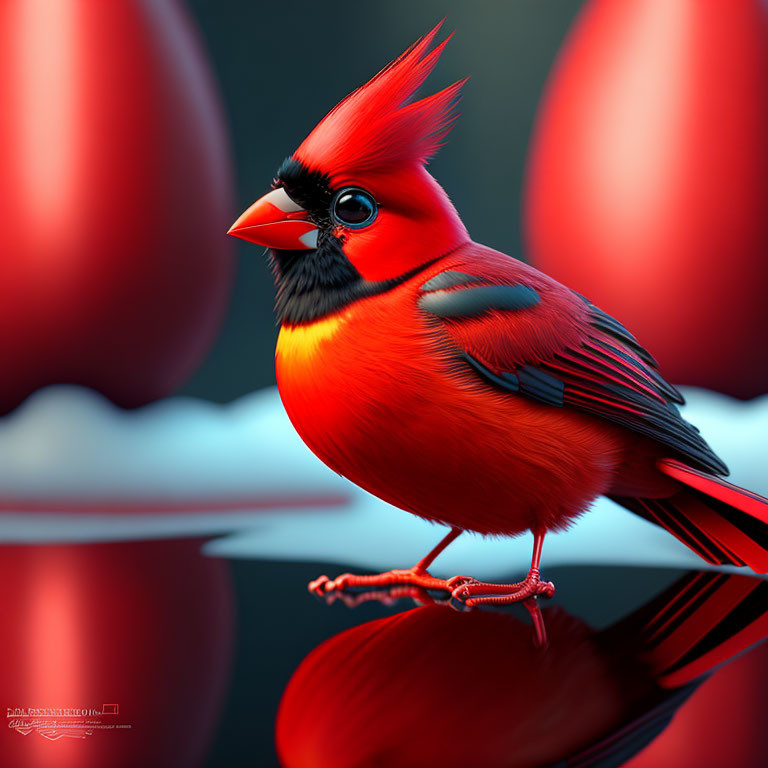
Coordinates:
205	658
435	686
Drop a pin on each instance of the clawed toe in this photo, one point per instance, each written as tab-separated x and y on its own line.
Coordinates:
462	593
385	588
472	592
459	581
464	589
546	588
317	587
416	577
323	586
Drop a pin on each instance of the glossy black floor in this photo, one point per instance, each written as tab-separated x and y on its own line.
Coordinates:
278	623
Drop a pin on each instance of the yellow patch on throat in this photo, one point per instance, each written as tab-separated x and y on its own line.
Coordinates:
298	344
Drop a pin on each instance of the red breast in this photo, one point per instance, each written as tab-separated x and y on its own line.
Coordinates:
375	392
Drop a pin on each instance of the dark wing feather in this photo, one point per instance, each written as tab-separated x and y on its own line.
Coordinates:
524	333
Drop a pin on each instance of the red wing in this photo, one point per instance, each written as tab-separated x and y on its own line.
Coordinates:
526	334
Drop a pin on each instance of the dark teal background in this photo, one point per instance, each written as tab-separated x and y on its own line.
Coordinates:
281	66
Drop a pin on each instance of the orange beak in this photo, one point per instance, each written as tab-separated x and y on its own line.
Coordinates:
278	222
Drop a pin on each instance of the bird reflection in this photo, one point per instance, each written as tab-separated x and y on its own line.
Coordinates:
433	686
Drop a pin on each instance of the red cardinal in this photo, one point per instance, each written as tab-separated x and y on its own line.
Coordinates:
452	380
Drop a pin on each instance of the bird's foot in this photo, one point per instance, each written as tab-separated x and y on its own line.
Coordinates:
472	593
415	581
415	578
462	593
389	596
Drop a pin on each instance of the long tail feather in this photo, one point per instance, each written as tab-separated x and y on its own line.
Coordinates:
722	523
737	518
700	622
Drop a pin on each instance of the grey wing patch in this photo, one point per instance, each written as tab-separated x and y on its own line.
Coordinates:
449	279
473	300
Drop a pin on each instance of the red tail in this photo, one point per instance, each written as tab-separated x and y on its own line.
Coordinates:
721	522
704	620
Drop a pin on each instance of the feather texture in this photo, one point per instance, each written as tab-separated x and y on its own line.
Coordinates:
587	360
377	125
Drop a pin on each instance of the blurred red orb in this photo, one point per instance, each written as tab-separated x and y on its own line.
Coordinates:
146	626
647	185
114	199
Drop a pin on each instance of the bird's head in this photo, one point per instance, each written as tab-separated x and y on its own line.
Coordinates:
354	211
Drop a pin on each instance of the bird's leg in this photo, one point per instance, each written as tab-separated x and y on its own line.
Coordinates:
418	576
539	628
472	592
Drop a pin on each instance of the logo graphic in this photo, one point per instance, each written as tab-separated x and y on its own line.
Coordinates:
54	723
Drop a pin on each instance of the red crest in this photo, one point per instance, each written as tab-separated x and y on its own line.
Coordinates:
378	125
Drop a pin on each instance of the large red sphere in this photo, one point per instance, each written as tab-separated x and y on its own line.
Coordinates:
114	198
147	626
647	186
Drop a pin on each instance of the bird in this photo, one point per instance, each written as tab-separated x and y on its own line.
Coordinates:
454	381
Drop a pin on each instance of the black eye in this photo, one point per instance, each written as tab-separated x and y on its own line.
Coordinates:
354	208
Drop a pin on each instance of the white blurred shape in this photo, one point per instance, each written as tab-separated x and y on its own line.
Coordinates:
67	442
70	443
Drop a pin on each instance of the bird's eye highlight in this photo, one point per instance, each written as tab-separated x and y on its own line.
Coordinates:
354	208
